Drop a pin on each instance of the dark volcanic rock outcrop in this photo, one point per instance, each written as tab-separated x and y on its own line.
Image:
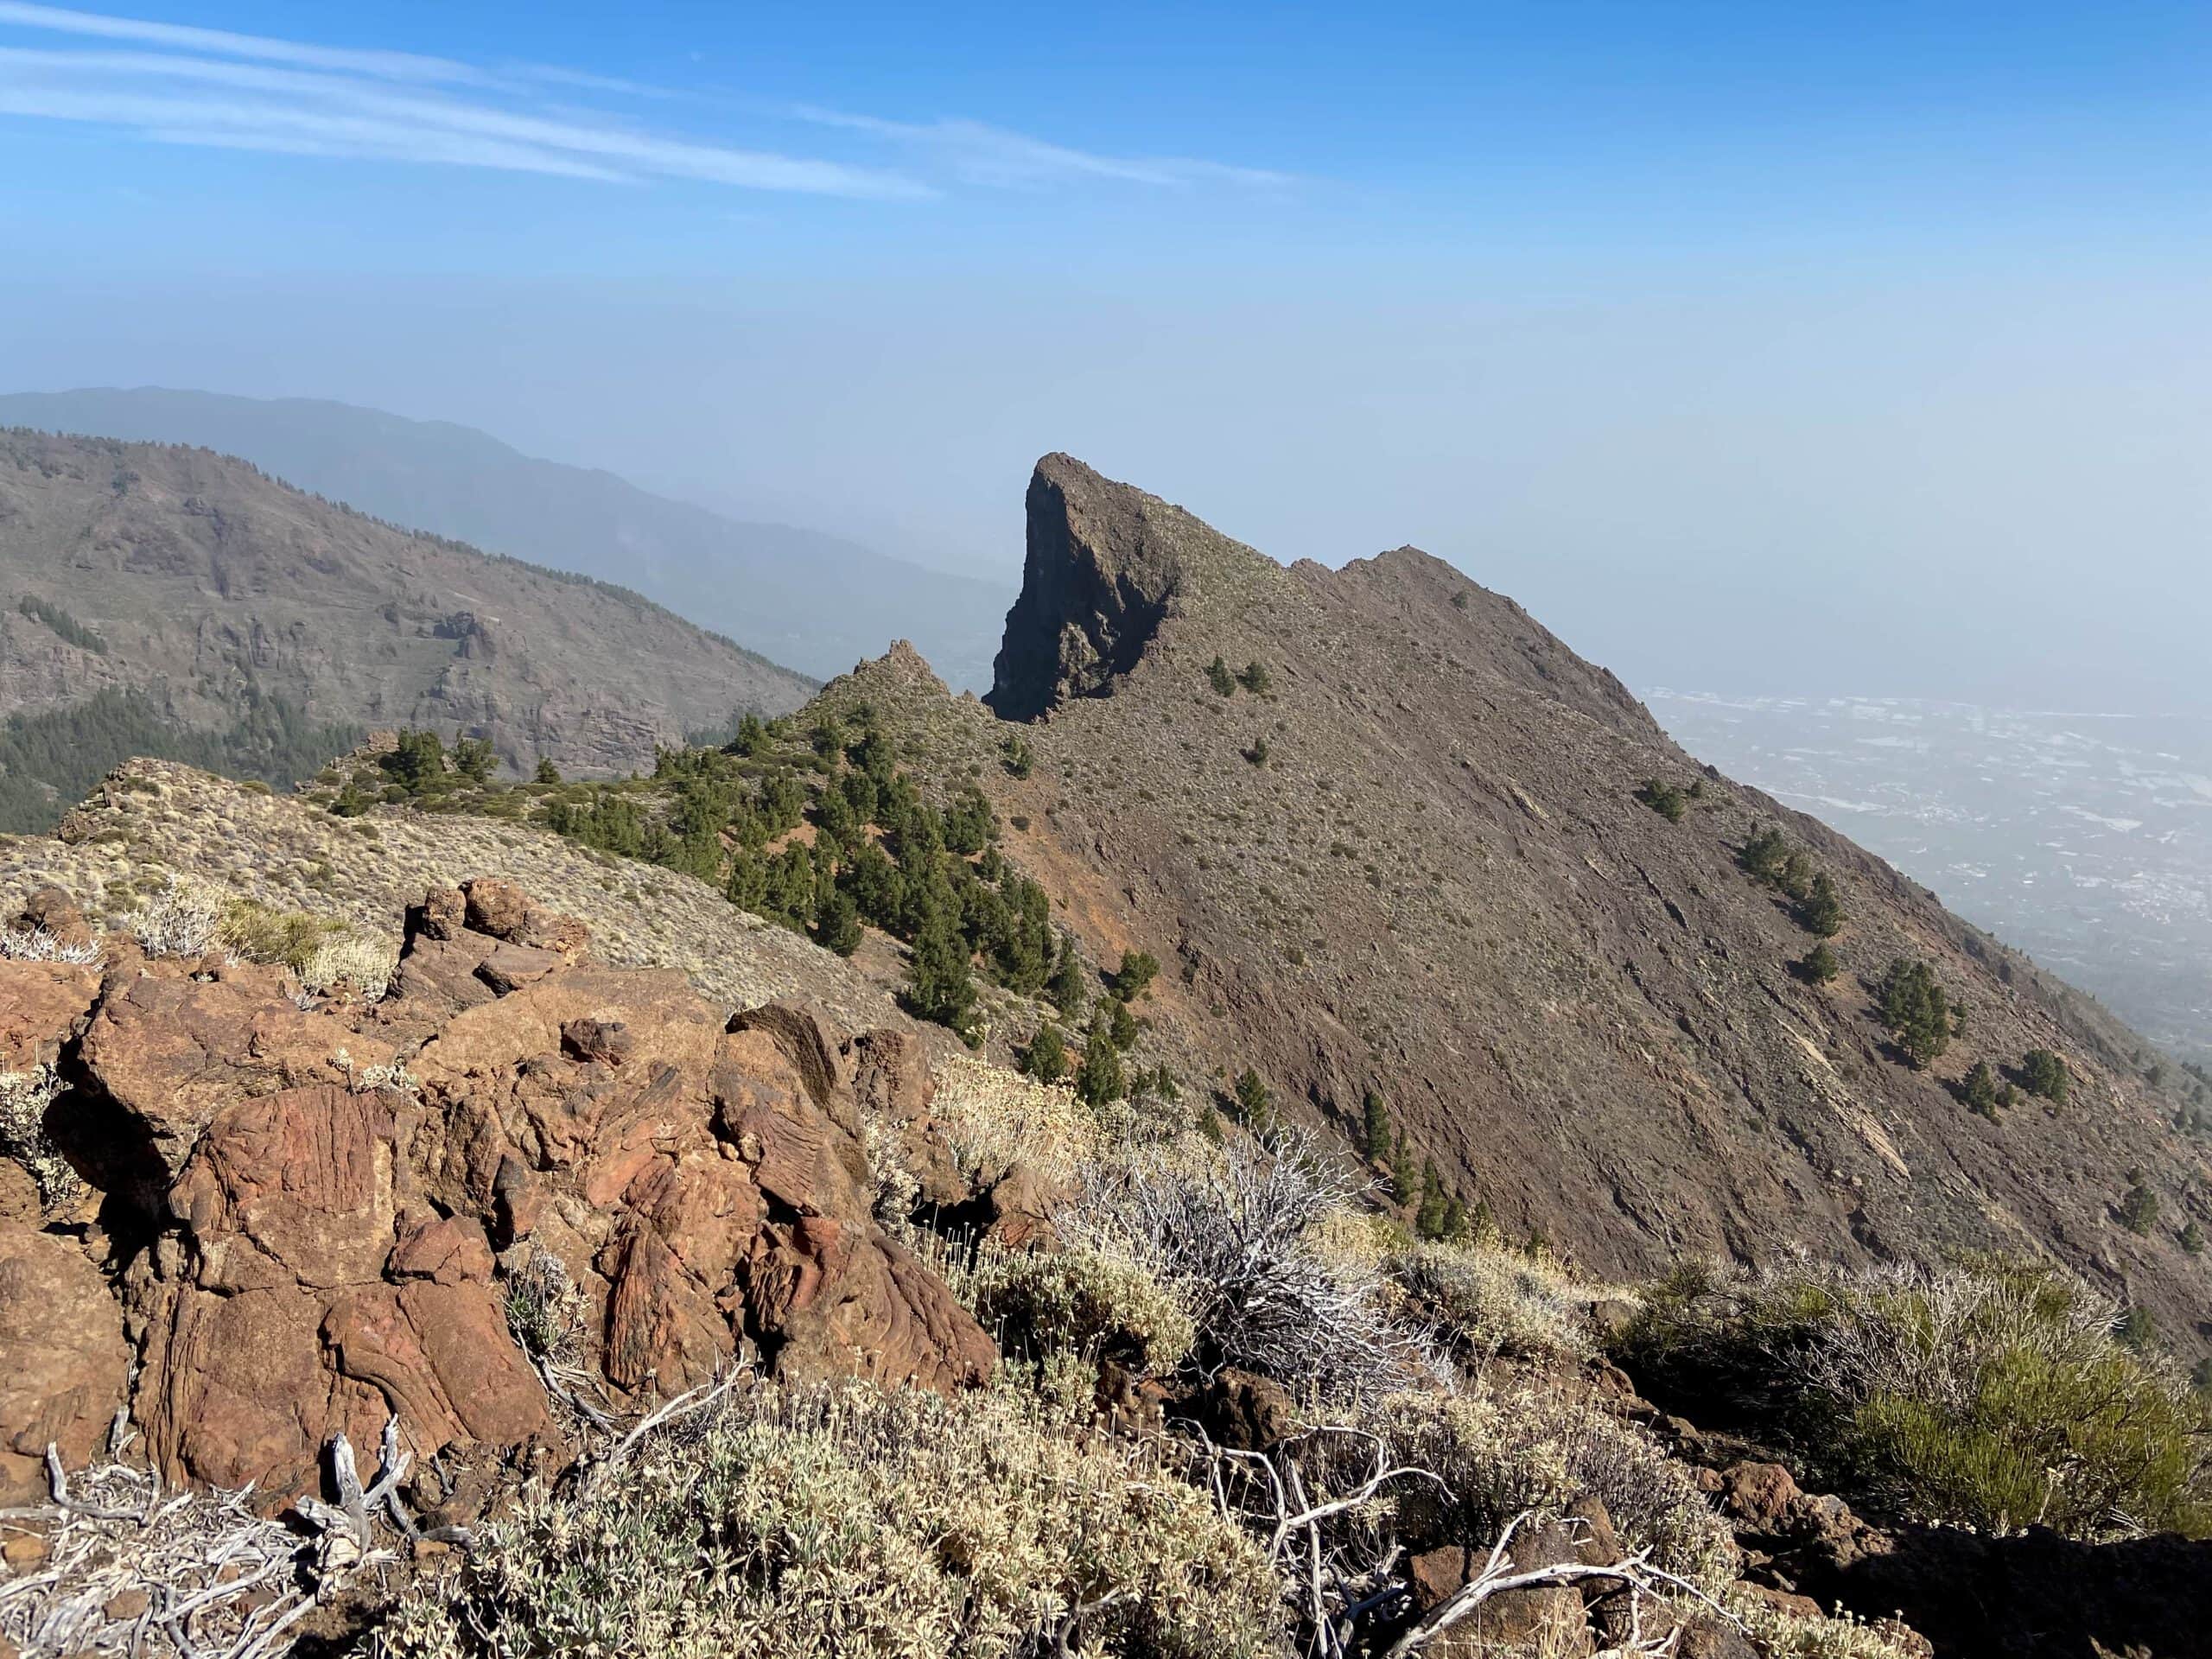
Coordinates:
315	1219
1105	564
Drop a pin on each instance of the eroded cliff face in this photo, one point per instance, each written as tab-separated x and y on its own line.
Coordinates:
1106	566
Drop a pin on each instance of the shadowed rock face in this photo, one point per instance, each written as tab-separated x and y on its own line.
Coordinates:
298	1247
1104	566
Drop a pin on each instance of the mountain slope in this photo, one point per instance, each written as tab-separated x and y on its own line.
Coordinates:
816	602
1417	863
196	588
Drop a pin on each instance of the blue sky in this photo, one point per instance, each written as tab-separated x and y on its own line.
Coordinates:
1714	320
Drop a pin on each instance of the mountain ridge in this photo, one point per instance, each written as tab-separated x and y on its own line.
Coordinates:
817	601
1417	861
199	587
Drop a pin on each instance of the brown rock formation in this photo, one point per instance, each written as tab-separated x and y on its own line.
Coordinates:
313	1213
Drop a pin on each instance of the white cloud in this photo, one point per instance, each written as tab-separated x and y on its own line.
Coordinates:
389	66
982	154
175	84
235	106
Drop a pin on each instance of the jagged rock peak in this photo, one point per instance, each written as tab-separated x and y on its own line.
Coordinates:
1106	565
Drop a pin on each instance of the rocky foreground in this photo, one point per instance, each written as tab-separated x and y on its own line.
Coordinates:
499	1216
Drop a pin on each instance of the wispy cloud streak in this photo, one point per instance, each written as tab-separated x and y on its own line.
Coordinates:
981	153
176	84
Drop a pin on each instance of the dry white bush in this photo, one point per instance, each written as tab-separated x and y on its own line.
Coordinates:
1486	1301
1097	1304
39	944
185	918
994	1120
797	1524
133	1569
24	1096
363	965
1231	1238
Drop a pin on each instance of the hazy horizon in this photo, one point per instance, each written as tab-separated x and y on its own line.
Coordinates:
1852	352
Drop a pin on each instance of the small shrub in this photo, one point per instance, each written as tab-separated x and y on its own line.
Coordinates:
1092	1303
1994	1396
365	965
2045	1075
1486	1302
1502	1453
1219	677
1253	677
799	1522
1663	798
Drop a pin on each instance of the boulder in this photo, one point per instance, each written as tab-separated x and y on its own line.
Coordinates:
1761	1498
66	1361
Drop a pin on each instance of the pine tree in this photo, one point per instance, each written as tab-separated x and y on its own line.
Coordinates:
1822	913
1220	678
1404	1178
2138	1209
1254	1108
1046	1057
1135	976
938	984
1066	986
1254	678
2192	1238
2045	1074
1914	1007
1821	964
838	923
1375	1127
1762	855
1100	1081
1122	1023
1457	1229
1428	1219
547	772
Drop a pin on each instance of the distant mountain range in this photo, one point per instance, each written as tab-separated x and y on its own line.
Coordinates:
814	601
162	600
